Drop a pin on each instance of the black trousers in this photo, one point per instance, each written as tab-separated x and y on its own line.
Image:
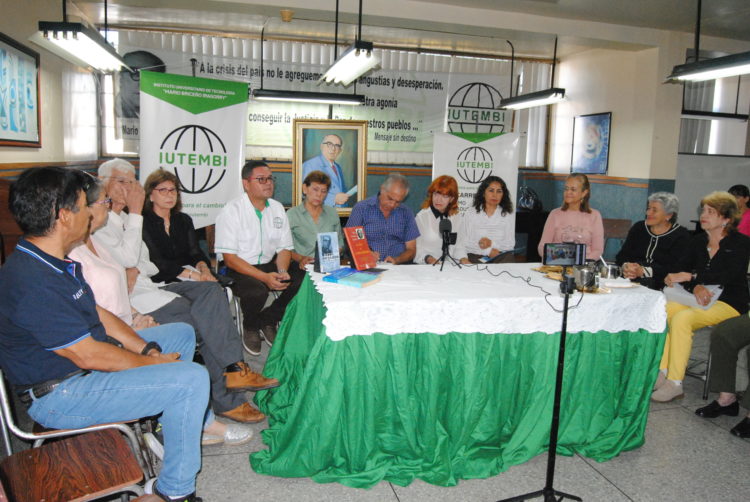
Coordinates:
727	340
254	293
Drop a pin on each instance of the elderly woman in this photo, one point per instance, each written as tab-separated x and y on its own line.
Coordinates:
654	246
488	225
170	234
742	196
312	217
717	256
727	340
575	221
107	280
441	203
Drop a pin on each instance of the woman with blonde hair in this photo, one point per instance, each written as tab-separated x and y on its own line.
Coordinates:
575	221
718	256
441	202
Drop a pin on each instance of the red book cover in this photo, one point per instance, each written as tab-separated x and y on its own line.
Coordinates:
358	248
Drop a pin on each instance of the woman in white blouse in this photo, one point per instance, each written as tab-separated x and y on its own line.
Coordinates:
441	202
488	225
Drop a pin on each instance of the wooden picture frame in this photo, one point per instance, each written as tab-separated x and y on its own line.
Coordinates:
591	135
348	149
19	95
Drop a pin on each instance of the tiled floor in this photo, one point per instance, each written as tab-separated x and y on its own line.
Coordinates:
685	458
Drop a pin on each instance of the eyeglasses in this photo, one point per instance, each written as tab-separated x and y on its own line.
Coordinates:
263	180
335	146
165	191
104	202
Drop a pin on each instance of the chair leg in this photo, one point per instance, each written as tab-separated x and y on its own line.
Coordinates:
6	436
705	380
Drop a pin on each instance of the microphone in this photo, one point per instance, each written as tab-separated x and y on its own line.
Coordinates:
445	226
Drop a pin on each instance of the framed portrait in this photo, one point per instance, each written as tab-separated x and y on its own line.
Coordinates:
338	148
19	95
591	143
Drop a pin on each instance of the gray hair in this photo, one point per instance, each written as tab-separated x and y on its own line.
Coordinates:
396	178
94	191
106	169
668	201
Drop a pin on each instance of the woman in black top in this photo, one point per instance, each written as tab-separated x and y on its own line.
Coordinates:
717	256
169	234
654	246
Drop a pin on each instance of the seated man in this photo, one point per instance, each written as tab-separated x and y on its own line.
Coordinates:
203	305
390	228
56	345
252	232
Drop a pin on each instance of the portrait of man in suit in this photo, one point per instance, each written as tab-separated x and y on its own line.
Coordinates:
331	147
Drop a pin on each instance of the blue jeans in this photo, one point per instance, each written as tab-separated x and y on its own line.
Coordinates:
178	391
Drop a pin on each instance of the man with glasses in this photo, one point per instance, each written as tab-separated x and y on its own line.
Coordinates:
254	237
330	149
390	228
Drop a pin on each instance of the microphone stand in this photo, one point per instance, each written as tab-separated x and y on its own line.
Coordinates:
448	239
548	492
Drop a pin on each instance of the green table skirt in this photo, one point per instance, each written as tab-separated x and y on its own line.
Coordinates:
444	407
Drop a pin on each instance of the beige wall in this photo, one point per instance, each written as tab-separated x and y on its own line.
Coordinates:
19	20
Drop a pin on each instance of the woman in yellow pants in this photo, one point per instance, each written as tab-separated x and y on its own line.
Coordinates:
717	256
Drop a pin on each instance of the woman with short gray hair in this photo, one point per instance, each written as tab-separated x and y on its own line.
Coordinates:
655	245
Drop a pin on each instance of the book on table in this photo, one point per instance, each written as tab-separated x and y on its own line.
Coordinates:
327	255
347	276
358	248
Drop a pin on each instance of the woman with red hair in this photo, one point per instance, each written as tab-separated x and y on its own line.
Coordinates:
441	202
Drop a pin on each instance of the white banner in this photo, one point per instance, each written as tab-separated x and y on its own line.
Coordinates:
194	128
403	108
470	158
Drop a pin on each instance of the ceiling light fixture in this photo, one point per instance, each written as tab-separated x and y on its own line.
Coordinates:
539	98
357	60
78	44
326	98
710	69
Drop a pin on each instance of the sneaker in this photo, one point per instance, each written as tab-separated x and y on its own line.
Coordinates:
236	434
150	489
269	334
239	377
668	392
251	341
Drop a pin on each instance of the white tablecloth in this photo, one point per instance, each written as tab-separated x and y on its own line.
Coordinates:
421	299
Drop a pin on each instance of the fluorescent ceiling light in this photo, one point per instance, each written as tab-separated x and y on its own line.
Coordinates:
352	64
78	44
701	115
726	66
539	98
309	97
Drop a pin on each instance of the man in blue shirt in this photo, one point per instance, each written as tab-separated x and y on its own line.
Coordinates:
330	149
390	228
66	356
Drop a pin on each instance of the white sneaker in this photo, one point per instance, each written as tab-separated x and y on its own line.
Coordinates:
235	435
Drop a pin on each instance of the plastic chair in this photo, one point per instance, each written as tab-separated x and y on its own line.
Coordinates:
134	436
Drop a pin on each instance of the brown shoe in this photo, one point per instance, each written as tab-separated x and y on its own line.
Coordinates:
244	413
240	377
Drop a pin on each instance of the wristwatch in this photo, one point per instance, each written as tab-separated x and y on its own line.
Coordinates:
149	346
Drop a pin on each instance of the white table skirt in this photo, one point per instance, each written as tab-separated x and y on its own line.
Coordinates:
421	299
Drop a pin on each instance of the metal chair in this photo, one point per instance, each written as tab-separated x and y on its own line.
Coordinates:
134	435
